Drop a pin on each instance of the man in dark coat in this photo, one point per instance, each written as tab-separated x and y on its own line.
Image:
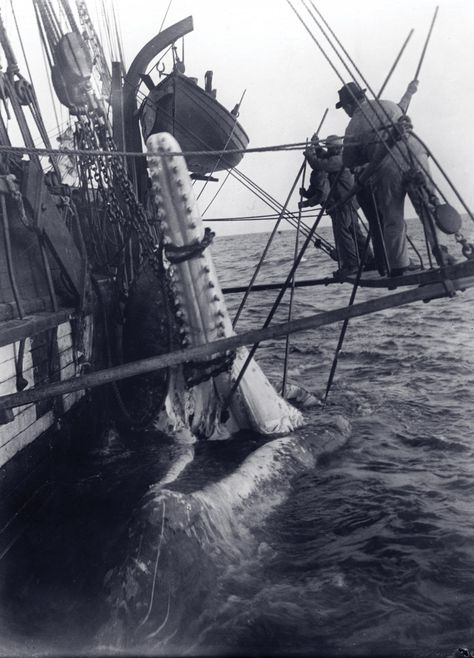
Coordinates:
327	165
387	160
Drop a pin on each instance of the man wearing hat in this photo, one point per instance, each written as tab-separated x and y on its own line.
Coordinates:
317	191
367	139
350	241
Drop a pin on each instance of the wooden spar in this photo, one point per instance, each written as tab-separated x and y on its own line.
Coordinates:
302	283
394	65
101	377
423	52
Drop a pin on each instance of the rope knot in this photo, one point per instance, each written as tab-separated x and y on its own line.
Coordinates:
177	254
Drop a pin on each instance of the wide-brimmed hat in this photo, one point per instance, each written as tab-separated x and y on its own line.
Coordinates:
348	93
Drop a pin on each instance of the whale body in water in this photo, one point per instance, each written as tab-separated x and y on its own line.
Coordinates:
182	545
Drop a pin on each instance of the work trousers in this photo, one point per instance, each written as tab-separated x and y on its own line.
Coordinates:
388	189
348	236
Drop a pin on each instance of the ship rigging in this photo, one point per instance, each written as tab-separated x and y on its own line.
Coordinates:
110	166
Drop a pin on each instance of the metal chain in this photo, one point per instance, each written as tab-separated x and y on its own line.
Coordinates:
467	247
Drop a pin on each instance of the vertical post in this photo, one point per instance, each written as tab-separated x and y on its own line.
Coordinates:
8	253
290	308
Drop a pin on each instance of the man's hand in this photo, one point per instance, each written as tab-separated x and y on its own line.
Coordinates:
405	124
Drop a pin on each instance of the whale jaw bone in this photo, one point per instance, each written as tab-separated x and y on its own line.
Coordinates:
203	313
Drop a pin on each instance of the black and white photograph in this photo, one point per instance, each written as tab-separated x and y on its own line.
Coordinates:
236	328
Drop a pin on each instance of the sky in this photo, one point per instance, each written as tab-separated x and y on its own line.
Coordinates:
261	47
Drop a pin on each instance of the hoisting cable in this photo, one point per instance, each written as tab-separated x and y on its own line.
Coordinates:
334	68
345	324
119	38
387	147
379	105
216	194
319	241
267	247
225	146
281	293
166	14
292	293
256	218
265	197
383	143
34	99
273	233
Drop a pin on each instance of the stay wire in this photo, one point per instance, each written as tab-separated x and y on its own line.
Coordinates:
345	324
217	193
281	294
292	293
275	205
166	14
253	187
225	146
267	247
379	105
301	170
409	158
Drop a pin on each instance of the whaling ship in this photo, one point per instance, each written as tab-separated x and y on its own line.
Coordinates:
104	256
90	267
104	259
106	272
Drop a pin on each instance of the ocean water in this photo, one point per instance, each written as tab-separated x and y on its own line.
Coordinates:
371	553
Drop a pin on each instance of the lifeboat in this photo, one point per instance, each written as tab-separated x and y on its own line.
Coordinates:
179	106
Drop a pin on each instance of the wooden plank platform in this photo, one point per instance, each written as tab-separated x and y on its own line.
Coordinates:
416	278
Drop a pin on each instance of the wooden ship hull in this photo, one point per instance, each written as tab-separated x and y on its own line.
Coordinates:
197	120
84	288
48	314
65	268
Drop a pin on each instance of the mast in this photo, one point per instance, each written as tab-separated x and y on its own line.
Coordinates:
91	38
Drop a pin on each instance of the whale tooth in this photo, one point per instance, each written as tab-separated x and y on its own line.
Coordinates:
192	225
206	269
216	298
189	211
211	284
